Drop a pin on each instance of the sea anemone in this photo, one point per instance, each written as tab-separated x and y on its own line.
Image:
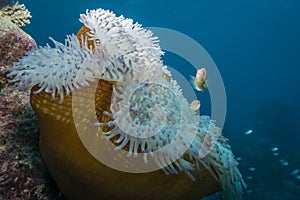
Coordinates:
116	66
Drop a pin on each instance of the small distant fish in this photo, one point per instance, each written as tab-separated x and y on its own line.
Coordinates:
238	158
283	162
276	154
295	172
252	169
195	105
249	191
297	177
248	132
274	149
199	81
249	177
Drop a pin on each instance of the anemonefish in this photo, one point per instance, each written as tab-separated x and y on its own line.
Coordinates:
199	82
195	105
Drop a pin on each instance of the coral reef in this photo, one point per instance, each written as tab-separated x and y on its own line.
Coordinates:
14	43
17	13
123	74
22	172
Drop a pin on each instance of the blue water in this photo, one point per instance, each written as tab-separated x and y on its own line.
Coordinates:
256	46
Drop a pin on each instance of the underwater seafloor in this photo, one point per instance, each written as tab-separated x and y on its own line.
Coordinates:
257	55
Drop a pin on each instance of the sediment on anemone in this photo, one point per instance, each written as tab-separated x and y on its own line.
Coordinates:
148	112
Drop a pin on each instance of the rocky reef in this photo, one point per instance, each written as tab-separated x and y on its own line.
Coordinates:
22	172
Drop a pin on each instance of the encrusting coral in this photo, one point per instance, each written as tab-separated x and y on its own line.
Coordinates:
17	13
22	172
14	43
115	65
